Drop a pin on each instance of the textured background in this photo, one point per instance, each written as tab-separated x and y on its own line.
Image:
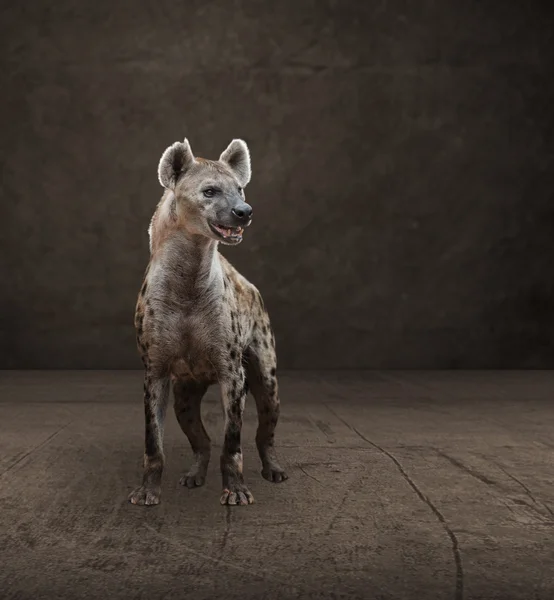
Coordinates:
403	173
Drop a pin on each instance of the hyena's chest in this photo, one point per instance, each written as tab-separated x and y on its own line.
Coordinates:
191	333
188	341
176	334
210	342
194	359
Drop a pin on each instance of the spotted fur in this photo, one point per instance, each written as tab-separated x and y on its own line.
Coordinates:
199	322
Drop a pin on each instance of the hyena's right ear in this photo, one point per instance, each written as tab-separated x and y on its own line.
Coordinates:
175	161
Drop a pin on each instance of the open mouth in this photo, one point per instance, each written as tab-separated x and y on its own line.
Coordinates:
228	233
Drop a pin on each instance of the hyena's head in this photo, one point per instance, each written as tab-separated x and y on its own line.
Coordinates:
209	195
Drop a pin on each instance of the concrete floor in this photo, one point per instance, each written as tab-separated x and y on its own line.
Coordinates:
404	485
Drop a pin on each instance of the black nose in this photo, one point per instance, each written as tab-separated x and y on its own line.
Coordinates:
243	212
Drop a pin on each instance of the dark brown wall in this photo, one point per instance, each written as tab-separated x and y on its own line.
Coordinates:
403	173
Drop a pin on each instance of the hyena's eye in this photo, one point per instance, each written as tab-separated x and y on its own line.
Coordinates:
209	192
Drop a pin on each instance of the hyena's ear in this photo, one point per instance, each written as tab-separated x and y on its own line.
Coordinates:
237	156
175	161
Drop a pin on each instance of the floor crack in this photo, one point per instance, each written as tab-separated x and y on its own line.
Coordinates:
274	576
308	474
460	465
37	447
228	523
459	592
337	511
526	489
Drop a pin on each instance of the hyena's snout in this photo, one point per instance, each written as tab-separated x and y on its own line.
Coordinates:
242	213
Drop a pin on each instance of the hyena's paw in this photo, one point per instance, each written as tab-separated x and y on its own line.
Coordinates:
194	478
145	496
236	494
274	473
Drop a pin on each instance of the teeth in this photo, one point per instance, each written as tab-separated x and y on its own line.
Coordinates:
228	231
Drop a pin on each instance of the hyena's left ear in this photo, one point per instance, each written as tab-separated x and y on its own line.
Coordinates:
237	156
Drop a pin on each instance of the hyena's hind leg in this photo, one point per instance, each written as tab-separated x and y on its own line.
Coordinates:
261	364
188	397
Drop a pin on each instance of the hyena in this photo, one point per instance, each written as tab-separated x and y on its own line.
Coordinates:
200	322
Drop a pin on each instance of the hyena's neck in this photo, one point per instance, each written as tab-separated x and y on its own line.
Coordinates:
193	260
186	266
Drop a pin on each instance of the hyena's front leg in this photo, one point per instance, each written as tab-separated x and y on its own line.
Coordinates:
233	395
156	394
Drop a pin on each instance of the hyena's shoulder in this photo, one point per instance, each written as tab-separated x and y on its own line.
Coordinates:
246	294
